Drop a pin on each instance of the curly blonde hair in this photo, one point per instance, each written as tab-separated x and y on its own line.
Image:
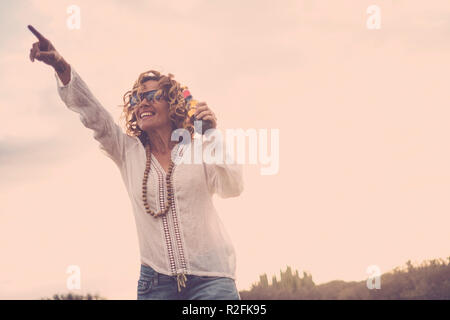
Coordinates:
170	90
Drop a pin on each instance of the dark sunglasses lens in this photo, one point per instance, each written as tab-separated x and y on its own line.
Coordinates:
133	101
150	95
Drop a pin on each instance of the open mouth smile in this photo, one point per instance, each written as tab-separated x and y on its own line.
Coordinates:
147	114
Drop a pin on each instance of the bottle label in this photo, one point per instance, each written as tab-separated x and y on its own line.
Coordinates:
192	105
191	112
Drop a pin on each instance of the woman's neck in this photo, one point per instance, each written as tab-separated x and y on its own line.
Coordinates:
160	142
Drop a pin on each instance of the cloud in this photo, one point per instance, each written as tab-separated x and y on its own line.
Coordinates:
19	151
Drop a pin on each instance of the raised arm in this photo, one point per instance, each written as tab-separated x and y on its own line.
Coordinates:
76	95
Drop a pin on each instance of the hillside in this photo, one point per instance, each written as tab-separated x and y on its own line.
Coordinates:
429	280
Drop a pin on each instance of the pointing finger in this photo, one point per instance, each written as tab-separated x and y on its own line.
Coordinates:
36	33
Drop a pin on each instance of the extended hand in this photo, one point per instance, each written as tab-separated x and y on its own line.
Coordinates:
43	50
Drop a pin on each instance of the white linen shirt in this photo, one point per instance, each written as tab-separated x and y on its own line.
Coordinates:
190	238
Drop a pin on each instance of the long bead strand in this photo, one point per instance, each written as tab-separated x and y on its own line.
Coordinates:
170	195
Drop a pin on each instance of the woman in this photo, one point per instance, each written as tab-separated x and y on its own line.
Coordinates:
185	251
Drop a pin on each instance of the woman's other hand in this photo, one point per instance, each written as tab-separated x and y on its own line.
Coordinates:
203	112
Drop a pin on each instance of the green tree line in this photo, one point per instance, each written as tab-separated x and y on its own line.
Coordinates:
428	280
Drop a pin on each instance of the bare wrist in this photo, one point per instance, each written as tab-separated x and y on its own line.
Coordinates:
62	68
61	65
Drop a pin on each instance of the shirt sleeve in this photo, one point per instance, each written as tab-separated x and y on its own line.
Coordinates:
77	97
223	176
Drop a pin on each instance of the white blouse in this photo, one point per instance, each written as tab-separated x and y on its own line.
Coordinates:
190	238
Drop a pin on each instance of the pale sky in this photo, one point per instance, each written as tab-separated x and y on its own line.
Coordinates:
364	172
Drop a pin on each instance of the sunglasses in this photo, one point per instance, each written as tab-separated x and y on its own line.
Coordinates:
149	95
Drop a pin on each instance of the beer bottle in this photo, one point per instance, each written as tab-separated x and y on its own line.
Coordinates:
191	107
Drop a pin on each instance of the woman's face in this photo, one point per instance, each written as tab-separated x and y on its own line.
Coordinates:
158	109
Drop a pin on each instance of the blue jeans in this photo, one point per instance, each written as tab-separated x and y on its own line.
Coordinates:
153	285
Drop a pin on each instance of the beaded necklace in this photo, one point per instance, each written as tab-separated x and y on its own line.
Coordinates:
168	204
181	278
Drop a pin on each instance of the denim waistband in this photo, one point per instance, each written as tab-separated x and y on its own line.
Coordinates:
156	276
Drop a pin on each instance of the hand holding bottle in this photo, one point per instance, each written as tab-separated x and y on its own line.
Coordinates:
199	111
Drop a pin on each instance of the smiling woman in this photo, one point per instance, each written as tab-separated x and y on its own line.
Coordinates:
153	91
185	251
